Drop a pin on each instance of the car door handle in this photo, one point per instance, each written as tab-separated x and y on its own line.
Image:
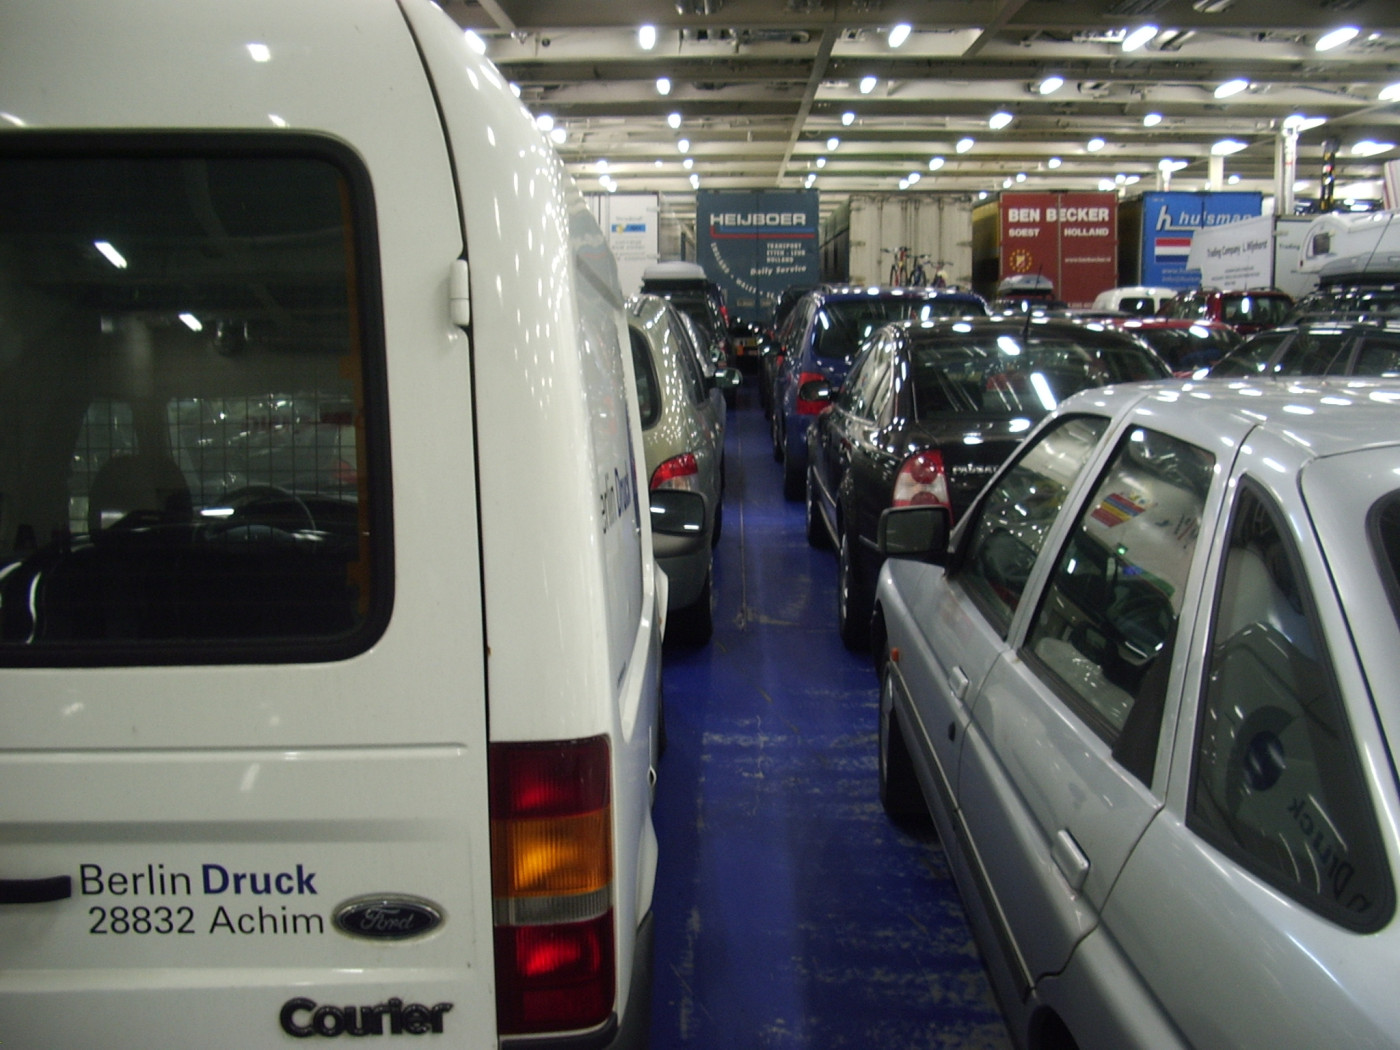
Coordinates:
36	891
1070	859
957	682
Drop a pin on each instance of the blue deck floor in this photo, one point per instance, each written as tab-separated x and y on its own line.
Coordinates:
789	911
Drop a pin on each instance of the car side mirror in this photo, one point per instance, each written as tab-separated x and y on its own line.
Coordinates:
676	512
816	390
919	532
727	379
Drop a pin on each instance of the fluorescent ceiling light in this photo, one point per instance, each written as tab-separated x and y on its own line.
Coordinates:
999	120
1151	120
1390	93
674	120
934	163
663	85
1225	147
694	181
832	143
688	163
1231	87
913	177
646	37
1138	37
1369	148
821	162
1337	38
1095	144
683	145
867	84
1050	85
1106	184
1053	162
1020	176
965	144
110	254
899	34
848	118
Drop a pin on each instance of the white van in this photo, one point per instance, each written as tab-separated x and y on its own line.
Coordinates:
329	623
1139	300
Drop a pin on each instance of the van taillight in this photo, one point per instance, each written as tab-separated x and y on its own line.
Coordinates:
921	481
552	885
810	408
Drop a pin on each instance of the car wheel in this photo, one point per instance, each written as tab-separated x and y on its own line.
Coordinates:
854	602
817	535
694	624
900	795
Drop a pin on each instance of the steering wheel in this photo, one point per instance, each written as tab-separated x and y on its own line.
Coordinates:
269	506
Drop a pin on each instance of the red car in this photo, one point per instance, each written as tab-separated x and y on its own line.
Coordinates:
1245	310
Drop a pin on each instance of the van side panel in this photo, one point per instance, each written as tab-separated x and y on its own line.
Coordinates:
569	579
213	819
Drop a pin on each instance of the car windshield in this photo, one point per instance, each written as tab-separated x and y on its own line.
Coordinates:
843	326
1014	375
1255	309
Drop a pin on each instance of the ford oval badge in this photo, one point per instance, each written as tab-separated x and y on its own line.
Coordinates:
388	918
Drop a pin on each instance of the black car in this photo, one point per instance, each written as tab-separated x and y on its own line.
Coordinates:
1372	301
927	413
1317	348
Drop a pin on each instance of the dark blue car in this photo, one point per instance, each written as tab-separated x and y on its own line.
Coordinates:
820	339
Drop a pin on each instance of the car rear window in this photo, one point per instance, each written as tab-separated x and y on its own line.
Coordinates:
1255	309
1013	375
190	390
841	327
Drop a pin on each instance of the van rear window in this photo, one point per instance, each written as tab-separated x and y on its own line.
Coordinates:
190	402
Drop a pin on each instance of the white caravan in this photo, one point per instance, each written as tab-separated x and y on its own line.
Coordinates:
329	630
1341	246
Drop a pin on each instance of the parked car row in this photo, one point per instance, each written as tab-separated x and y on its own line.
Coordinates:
928	412
1116	673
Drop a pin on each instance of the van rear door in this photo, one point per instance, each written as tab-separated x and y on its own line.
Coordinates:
243	787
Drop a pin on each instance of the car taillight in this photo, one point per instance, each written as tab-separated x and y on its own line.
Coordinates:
805	407
922	481
552	885
678	472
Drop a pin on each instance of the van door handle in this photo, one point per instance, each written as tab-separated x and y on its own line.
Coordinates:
957	682
36	891
1070	859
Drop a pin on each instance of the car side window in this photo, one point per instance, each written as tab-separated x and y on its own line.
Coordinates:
648	394
862	394
1277	782
1315	354
1252	358
1379	356
1106	625
1017	512
689	355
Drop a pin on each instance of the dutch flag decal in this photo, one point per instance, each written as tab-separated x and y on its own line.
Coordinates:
1171	249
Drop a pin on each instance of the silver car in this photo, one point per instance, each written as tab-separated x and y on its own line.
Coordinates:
683	417
1145	690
